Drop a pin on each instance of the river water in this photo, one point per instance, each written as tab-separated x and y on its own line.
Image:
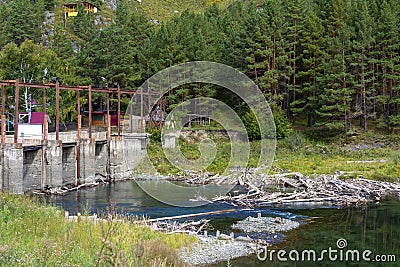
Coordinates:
375	228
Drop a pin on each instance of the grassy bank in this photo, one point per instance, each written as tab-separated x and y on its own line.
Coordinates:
32	234
372	155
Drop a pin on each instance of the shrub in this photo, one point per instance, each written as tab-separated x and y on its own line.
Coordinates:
250	122
282	124
155	134
295	140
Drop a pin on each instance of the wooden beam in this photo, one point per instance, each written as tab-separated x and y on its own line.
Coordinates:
44	156
119	111
44	100
79	115
78	144
45	127
142	125
90	111
3	99
191	215
3	130
16	113
57	111
3	114
108	116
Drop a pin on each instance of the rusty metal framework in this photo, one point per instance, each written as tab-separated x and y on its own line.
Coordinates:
155	110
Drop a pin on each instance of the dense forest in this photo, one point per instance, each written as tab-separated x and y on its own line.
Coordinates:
332	64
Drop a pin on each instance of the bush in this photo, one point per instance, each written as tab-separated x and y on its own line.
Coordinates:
155	134
282	124
295	140
250	122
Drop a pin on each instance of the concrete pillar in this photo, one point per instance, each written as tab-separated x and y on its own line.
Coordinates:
13	171
32	168
87	149
69	164
169	141
54	163
125	155
117	161
44	158
101	160
1	168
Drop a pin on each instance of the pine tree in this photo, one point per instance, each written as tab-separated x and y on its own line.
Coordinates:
85	33
360	58
294	17
117	48
389	61
236	35
276	75
336	95
258	45
24	20
312	60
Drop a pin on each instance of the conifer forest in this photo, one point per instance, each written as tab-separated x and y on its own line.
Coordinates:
332	64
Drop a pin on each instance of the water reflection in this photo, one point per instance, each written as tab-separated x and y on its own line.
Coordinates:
376	228
128	198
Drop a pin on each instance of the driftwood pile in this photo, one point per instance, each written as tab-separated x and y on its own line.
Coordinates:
297	188
66	189
202	178
172	225
189	227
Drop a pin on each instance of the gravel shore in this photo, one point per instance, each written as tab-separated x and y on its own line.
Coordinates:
211	249
265	224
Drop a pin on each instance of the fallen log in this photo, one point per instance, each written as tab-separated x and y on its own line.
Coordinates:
285	201
189	215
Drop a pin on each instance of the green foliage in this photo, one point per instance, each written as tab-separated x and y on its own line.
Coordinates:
252	126
155	134
353	156
22	20
331	64
27	63
167	10
282	124
295	140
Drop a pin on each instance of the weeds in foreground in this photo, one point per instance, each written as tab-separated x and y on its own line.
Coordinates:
33	234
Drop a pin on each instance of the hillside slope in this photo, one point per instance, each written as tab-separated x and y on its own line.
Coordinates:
164	9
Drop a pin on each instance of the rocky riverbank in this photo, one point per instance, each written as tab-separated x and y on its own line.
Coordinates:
210	249
265	224
222	247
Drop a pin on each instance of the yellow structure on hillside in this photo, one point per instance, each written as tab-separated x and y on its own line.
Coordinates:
71	10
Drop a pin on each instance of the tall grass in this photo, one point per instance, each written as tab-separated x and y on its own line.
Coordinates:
33	234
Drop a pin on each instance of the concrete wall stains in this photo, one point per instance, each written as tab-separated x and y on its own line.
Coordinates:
54	163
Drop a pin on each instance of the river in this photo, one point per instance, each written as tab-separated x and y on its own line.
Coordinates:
375	228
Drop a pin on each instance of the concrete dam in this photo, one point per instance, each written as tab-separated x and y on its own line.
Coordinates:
35	159
42	164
